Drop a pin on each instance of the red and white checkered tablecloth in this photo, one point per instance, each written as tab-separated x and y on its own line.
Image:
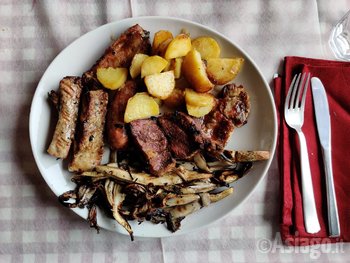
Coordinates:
34	227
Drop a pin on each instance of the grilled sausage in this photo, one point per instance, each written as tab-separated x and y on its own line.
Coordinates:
117	136
120	53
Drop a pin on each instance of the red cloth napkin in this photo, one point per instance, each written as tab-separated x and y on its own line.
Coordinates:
335	76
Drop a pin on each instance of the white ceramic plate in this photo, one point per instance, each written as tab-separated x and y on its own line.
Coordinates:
258	134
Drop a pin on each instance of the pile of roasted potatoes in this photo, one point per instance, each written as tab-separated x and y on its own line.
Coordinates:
180	71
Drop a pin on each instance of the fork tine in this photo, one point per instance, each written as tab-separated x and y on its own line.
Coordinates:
300	88
295	88
304	92
286	104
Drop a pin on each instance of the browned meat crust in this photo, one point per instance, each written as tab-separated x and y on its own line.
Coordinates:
89	148
153	144
67	102
231	111
117	136
235	104
121	52
219	129
182	134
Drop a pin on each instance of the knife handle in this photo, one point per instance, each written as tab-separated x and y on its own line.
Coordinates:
312	224
333	218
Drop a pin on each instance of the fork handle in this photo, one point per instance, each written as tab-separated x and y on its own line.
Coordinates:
312	224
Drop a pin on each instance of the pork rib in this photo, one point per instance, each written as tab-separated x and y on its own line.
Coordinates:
89	148
67	102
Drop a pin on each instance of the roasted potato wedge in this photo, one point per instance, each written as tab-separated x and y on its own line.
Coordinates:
223	70
199	99
198	111
159	38
175	65
178	47
207	47
153	65
194	70
160	85
198	104
163	47
176	99
136	63
112	78
140	106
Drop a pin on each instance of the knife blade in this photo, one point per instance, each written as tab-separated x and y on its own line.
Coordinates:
323	124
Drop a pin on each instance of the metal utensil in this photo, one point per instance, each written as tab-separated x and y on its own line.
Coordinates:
294	116
324	132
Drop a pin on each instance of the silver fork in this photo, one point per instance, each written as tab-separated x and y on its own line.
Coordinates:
294	115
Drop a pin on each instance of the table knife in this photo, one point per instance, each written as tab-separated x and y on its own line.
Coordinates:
324	133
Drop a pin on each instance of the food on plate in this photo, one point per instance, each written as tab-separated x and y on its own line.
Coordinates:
116	130
178	47
67	103
163	47
152	65
198	111
136	63
232	110
181	141
153	144
208	47
234	104
160	37
89	145
112	78
199	99
175	65
165	162
140	106
194	70
160	85
176	99
198	104
120	53
223	70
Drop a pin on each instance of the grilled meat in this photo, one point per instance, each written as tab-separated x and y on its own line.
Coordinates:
231	111
121	52
153	144
182	134
67	102
235	104
89	148
219	129
117	136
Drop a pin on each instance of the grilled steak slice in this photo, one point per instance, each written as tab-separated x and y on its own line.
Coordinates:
235	104
192	126
180	134
153	144
117	136
67	102
89	148
231	111
134	40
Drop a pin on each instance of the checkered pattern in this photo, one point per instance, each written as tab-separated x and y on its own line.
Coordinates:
35	228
